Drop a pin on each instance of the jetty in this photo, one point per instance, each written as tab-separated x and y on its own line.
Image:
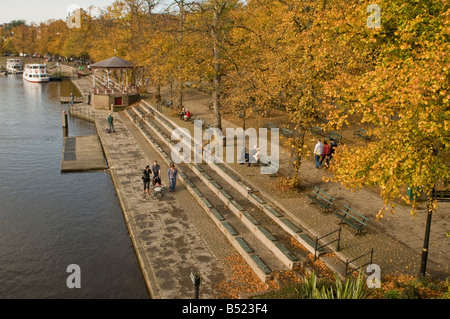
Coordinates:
66	99
82	153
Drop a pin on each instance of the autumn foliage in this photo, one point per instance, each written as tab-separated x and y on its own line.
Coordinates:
317	61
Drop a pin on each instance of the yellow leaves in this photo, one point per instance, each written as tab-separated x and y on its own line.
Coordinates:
242	279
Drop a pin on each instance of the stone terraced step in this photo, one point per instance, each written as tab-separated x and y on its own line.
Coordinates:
253	259
257	198
288	223
310	241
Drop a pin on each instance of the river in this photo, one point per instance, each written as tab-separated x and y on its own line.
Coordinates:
50	220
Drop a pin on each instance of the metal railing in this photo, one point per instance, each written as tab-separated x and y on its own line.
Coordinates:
347	272
338	240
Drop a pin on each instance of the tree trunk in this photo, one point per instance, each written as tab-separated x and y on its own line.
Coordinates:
217	71
158	95
180	92
181	36
296	156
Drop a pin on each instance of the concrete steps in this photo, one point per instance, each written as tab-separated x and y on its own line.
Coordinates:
276	231
288	224
262	261
302	235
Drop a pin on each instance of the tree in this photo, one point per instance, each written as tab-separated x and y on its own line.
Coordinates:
24	38
405	97
287	55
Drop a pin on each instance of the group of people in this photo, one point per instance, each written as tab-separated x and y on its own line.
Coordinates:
185	114
323	152
154	173
253	156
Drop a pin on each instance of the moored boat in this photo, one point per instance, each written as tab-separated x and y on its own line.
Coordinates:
36	73
14	66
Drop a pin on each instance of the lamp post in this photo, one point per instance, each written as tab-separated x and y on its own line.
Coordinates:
196	280
426	241
438	196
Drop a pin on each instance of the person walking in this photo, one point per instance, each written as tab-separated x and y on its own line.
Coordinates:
333	146
318	151
111	123
156	169
173	175
146	179
326	154
72	99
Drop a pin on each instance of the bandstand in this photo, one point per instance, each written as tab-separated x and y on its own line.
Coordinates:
110	95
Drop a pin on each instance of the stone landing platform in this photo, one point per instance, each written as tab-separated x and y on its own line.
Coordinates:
82	153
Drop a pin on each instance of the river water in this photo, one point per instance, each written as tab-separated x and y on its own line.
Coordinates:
50	220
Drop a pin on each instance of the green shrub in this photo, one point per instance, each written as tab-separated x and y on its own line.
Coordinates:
392	294
312	287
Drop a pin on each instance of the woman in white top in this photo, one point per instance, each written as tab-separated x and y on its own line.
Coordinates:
318	151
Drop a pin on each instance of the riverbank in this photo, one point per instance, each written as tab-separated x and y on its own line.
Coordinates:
132	153
170	235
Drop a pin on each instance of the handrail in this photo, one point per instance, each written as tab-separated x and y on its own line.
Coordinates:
349	262
316	247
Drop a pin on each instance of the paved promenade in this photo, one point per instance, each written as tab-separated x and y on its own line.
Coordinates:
397	239
170	234
173	236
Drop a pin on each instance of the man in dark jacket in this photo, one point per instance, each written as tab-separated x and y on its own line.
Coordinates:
156	169
333	146
111	123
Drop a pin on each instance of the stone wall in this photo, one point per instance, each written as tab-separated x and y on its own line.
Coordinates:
113	102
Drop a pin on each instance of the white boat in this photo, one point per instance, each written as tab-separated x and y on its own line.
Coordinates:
36	73
14	66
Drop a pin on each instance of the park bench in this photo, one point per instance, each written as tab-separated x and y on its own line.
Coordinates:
271	125
317	130
167	103
362	133
441	195
321	198
335	136
268	162
203	123
352	218
286	132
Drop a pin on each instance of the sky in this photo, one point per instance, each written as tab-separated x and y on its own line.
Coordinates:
42	10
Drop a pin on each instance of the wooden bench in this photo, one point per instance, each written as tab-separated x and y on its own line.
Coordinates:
321	198
335	136
275	166
271	125
203	123
317	130
352	218
362	133
266	161
286	132
167	103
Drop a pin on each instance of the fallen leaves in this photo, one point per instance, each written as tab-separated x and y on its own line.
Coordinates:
242	279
